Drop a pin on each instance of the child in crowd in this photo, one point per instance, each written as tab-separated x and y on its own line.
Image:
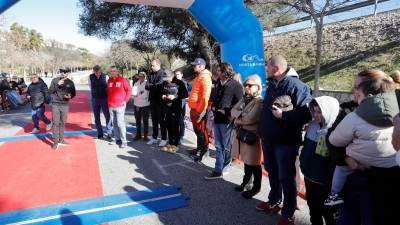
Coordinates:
315	161
172	93
366	133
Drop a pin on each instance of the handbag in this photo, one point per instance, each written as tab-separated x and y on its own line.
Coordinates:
246	136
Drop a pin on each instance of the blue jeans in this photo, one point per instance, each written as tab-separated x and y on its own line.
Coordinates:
118	121
101	105
38	114
279	161
223	144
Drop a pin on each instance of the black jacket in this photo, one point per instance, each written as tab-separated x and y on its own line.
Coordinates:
339	153
153	85
178	89
227	96
39	94
58	91
98	86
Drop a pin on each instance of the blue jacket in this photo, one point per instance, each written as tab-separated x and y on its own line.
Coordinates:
285	131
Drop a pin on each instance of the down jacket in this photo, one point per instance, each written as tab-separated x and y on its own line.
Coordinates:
367	132
201	90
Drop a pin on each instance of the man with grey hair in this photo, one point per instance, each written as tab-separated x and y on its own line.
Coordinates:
281	135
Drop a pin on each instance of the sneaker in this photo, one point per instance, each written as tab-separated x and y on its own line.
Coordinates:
173	149
54	146
166	148
162	143
192	151
268	207
123	145
285	221
108	137
152	141
250	193
49	126
214	175
100	137
63	142
333	199
240	188
35	131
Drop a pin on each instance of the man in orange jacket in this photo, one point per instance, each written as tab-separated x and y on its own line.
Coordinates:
198	103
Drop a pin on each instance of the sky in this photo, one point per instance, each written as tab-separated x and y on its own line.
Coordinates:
382	7
56	19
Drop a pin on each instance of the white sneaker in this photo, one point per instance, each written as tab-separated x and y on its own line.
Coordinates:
163	143
35	131
49	126
152	141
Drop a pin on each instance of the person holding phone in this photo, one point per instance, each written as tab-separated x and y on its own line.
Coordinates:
62	89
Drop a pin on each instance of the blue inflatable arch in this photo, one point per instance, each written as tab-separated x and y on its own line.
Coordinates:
228	21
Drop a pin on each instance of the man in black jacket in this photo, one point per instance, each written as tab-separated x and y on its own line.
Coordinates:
153	85
62	89
98	88
228	93
38	95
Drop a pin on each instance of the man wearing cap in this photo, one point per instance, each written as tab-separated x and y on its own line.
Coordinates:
198	103
98	88
153	85
119	92
62	89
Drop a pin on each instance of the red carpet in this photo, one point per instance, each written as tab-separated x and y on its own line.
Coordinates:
32	174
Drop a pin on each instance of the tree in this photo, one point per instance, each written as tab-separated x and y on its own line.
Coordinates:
173	31
317	10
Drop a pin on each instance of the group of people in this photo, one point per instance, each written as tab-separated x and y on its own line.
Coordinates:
12	92
347	152
61	91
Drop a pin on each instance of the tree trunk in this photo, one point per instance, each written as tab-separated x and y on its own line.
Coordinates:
319	32
203	42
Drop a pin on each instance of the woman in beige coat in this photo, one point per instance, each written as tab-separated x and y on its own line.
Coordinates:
246	114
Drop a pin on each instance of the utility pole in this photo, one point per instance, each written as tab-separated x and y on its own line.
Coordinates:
376	7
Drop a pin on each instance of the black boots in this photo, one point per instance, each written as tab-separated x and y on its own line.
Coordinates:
198	158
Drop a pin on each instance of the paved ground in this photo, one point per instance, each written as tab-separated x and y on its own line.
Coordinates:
141	166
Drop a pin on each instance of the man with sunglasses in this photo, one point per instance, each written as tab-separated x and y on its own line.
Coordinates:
62	89
38	95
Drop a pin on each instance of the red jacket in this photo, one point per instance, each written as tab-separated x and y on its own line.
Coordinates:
118	91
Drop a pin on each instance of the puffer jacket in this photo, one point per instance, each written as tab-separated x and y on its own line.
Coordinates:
201	90
315	160
367	132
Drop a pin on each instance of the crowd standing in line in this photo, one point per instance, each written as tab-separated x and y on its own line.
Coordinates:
349	153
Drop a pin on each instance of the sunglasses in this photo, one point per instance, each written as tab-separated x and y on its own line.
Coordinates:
249	85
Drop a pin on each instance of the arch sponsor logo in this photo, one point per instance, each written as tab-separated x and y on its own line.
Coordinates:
250	60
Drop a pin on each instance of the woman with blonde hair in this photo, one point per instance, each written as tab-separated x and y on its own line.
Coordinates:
247	144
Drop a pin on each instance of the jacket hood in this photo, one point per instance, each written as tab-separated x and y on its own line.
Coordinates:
330	109
206	72
292	73
379	109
